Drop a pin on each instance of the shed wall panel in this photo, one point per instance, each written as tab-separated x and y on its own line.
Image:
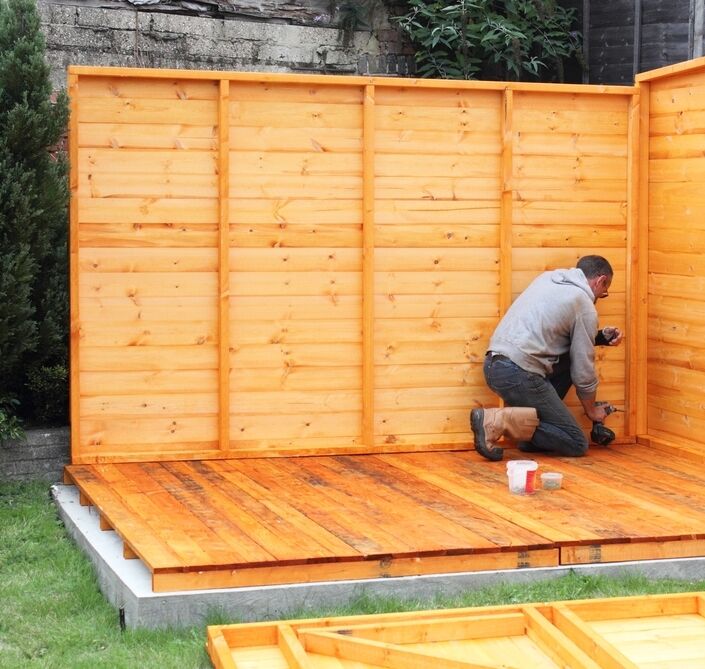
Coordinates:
288	186
676	272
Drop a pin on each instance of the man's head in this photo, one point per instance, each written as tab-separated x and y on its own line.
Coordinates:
598	273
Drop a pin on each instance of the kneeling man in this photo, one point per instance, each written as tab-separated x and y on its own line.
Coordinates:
544	344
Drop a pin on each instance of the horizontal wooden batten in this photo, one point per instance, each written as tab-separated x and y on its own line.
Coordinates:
332	80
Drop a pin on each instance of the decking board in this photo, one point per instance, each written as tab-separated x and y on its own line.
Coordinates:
230	523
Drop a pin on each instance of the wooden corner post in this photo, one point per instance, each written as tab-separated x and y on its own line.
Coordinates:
224	265
75	328
368	266
634	261
640	327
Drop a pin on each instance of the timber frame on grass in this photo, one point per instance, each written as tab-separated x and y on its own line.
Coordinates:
617	633
267	266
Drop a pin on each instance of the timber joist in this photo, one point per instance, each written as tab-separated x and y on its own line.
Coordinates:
618	633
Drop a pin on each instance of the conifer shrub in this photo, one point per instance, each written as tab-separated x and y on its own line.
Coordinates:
33	218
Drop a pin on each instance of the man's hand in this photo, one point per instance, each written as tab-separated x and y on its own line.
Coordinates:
610	336
596	413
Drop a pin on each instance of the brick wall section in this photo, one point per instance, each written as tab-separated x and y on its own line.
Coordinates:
122	35
42	456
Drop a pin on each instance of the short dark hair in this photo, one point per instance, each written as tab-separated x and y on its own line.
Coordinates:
594	266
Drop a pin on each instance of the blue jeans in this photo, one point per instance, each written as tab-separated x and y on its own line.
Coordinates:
558	431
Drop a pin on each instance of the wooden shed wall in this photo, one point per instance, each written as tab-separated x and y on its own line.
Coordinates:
676	269
269	263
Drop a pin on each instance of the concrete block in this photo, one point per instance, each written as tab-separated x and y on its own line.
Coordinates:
109	19
123	42
41	456
50	12
187	25
275	53
251	31
166	47
222	50
48	437
45	12
88	34
63	36
50	452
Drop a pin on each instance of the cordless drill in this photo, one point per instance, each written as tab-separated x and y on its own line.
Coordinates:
600	434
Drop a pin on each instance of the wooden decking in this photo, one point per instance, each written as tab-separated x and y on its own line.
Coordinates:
230	523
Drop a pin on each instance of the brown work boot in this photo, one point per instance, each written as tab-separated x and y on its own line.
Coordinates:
489	425
483	428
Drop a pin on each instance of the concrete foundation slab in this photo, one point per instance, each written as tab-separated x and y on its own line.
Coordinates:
127	583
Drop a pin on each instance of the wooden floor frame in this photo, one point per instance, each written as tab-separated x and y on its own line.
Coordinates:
250	522
663	631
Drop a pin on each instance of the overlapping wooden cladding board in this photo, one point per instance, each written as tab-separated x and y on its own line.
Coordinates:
148	218
295	282
676	284
148	233
570	186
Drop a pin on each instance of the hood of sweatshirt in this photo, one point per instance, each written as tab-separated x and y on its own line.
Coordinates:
574	277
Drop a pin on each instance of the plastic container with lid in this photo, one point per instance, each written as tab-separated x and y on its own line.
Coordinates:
521	475
551	480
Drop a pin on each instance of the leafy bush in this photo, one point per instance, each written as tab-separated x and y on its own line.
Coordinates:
10	427
33	210
501	39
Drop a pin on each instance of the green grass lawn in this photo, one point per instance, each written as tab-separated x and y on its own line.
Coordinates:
53	615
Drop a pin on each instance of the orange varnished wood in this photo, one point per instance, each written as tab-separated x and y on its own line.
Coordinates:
604	633
273	520
74	250
242	236
333	81
368	266
672	284
224	266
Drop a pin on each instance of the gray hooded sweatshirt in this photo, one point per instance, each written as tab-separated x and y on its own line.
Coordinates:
554	315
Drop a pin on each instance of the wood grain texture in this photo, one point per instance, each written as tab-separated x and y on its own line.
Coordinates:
223	266
605	633
265	517
74	270
672	284
321	253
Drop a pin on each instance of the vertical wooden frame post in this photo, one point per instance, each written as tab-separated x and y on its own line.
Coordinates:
507	203
224	265
368	266
634	262
75	327
641	325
